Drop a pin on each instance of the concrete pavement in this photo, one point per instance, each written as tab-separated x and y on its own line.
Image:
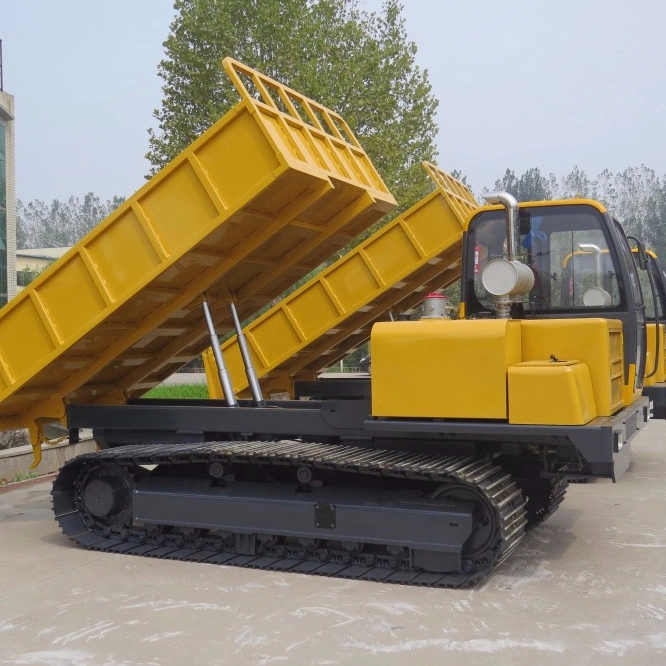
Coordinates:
587	587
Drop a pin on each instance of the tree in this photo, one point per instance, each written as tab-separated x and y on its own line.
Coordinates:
531	186
26	275
459	175
638	202
358	63
578	184
60	223
636	196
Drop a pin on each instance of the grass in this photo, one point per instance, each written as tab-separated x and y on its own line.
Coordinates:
20	477
179	392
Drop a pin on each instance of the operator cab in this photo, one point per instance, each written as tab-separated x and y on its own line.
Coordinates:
580	261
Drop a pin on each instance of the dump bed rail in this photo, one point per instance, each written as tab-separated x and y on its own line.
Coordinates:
259	200
332	314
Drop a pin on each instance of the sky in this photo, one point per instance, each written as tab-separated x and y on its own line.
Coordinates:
520	84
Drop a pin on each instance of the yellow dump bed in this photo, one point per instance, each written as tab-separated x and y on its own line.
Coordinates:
332	314
263	197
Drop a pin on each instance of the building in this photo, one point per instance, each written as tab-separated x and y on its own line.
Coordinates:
30	263
7	194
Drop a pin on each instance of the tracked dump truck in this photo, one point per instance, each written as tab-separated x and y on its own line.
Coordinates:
429	472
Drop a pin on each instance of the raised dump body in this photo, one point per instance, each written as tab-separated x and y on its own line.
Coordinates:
333	313
259	200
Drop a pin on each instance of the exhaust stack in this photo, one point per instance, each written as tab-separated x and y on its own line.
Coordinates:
512	227
508	280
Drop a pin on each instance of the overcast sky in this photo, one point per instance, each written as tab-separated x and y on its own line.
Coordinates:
521	83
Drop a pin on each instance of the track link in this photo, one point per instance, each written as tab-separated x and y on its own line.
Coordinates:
539	511
486	480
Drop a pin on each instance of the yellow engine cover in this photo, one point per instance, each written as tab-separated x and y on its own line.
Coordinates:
443	368
549	371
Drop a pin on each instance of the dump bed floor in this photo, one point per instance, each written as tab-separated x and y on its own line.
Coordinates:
332	314
259	200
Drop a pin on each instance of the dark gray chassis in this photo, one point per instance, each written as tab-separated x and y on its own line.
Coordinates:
657	394
600	448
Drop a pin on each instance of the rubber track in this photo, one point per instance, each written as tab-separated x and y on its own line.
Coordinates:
497	486
557	493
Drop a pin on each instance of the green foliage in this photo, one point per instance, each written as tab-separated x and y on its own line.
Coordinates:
179	392
578	184
26	477
358	63
20	477
353	359
453	292
531	186
25	276
636	196
60	223
459	175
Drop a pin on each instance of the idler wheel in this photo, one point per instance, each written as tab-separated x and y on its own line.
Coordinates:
486	525
102	498
107	496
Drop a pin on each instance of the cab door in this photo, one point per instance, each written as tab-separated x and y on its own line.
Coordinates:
638	336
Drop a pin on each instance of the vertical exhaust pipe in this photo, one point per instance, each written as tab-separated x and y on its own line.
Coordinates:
512	225
508	280
250	372
227	389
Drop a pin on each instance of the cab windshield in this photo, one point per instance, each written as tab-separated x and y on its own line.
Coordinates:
567	249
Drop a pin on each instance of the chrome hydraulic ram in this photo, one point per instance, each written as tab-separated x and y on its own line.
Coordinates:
219	361
250	372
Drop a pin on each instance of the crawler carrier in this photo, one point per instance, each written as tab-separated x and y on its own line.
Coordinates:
428	472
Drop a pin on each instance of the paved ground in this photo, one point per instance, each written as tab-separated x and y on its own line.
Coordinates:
587	587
